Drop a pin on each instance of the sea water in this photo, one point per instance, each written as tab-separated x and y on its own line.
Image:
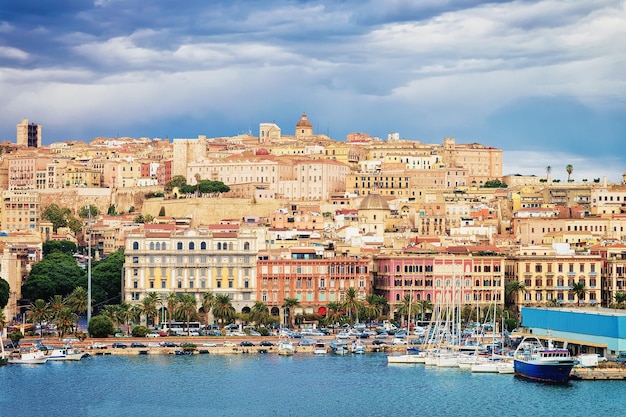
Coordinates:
299	385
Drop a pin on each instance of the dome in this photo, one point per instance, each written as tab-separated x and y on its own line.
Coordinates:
374	202
303	122
262	151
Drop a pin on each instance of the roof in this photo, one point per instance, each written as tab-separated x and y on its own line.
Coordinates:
374	202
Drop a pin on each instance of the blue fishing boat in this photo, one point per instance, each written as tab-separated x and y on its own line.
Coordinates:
548	364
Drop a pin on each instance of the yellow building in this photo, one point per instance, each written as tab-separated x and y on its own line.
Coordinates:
549	276
217	258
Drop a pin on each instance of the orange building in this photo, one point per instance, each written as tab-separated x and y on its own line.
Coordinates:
311	276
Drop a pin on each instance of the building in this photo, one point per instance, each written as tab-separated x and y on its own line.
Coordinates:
29	135
20	210
313	276
213	258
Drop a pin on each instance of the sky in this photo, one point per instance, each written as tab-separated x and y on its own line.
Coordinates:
542	80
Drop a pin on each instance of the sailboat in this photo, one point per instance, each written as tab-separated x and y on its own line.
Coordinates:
407	358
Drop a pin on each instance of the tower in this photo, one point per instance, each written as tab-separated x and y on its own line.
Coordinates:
28	135
304	128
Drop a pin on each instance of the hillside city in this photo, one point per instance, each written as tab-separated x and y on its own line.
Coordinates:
298	215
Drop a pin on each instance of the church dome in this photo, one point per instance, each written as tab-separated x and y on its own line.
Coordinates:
374	202
262	151
303	122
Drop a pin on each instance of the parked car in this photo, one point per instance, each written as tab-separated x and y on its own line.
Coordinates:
266	343
378	342
398	341
246	343
153	334
137	345
119	345
307	342
254	333
98	345
168	344
343	335
229	344
621	357
382	335
209	344
363	335
194	333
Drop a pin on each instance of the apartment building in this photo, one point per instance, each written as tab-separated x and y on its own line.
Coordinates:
20	210
444	279
221	260
313	276
549	273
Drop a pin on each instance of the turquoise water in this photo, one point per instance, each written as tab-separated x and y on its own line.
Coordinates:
300	385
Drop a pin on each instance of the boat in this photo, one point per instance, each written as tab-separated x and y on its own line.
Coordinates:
28	355
3	357
63	353
285	347
339	347
357	347
548	364
320	348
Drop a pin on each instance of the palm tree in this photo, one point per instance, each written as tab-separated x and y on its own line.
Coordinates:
3	321
57	303
290	304
259	313
351	303
223	309
333	316
39	311
511	291
425	305
124	314
207	304
149	306
111	311
172	301
569	168
406	307
65	321
579	290
620	298
375	305
187	307
77	300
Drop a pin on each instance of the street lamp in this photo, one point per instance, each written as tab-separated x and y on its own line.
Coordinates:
89	270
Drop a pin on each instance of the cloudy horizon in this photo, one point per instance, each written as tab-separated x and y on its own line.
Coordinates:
542	80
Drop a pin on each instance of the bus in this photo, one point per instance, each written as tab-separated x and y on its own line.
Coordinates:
180	327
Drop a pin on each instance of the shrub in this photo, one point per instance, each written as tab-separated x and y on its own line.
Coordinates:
140	331
15	337
100	326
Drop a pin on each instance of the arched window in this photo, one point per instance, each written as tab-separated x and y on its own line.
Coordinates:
192	246
246	246
158	246
397	268
164	246
151	245
202	245
230	246
219	246
179	245
135	245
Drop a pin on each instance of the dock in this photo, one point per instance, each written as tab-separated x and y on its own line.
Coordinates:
601	373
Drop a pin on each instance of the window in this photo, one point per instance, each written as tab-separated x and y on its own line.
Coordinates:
163	283
192	246
179	245
246	246
135	259
135	245
202	245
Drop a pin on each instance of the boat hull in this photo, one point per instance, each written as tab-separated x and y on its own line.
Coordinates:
546	372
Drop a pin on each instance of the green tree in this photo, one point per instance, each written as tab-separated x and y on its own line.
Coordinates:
57	273
172	301
39	312
89	211
424	305
125	314
111	311
223	309
620	298
56	303
289	305
512	290
187	308
177	181
15	337
140	331
259	313
212	187
3	321
78	300
5	292
406	307
334	315
149	306
207	304
106	278
63	246
580	291
112	211
495	184
56	215
101	326
569	168
375	306
65	321
351	304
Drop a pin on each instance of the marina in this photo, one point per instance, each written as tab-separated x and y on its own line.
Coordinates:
239	385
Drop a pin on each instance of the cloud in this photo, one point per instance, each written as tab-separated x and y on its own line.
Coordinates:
519	75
